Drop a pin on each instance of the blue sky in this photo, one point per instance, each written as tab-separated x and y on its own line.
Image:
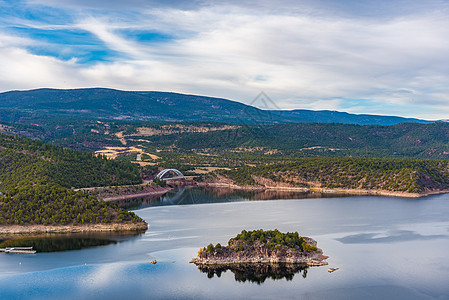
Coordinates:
376	57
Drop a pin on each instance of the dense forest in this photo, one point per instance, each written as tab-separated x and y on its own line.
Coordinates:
24	161
403	175
49	204
407	157
409	140
405	140
35	180
272	239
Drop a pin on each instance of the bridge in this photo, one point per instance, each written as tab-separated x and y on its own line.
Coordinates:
178	174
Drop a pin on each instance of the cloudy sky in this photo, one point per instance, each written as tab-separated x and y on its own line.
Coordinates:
378	57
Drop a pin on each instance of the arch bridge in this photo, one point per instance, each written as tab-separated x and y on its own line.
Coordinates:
162	173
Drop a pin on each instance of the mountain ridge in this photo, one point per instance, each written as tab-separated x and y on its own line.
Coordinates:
105	103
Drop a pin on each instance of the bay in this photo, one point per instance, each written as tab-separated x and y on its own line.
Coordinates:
385	247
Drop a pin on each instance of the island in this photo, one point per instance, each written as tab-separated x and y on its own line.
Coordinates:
266	247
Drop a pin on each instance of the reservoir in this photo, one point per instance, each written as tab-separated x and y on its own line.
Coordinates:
384	247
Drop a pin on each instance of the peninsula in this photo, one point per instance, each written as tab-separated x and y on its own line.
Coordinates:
37	189
260	246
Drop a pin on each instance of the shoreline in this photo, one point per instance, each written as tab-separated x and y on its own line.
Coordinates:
155	194
32	229
311	261
324	190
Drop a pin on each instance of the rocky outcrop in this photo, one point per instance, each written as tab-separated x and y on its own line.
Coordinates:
17	229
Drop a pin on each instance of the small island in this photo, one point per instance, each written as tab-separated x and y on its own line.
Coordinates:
259	246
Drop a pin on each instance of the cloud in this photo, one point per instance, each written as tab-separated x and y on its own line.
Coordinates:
22	70
344	8
315	54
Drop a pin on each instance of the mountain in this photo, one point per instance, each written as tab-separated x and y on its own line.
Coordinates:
100	103
327	116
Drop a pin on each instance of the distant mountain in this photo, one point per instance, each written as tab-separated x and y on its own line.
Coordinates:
99	103
327	116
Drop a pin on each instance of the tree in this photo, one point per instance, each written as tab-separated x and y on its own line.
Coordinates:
210	248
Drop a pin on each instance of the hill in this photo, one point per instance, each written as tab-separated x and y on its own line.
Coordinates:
358	175
35	182
210	144
99	103
316	139
23	161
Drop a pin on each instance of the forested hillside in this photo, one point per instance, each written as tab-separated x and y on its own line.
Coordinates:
396	175
407	140
110	104
35	180
23	161
50	204
319	139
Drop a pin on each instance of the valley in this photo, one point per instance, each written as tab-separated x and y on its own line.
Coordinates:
81	147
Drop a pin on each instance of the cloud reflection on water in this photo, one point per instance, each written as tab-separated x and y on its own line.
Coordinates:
392	237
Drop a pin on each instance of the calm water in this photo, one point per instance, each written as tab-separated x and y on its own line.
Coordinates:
386	248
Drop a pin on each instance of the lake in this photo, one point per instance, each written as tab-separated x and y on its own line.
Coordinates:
386	248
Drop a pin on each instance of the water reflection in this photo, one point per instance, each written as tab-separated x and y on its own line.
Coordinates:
194	195
65	242
256	273
392	237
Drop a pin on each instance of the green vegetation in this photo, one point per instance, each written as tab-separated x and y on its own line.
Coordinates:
404	175
53	205
35	179
408	140
191	140
274	238
271	239
388	158
159	182
275	149
24	161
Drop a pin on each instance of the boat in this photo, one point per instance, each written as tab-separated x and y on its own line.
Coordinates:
19	250
330	270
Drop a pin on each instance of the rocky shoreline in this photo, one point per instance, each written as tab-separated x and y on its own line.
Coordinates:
115	227
362	192
261	252
312	260
154	194
125	192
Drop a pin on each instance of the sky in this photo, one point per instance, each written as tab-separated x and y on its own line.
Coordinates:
388	57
